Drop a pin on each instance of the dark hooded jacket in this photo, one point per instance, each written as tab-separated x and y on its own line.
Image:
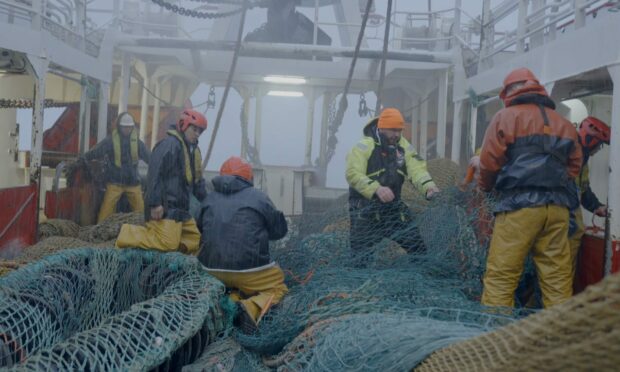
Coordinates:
127	173
167	182
237	223
530	154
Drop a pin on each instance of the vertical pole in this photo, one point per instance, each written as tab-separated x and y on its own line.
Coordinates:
39	66
245	95
537	38
521	25
580	14
613	235
144	105
258	120
309	127
36	20
456	132
125	80
486	36
473	124
327	99
315	34
102	114
424	128
386	40
414	126
87	120
442	108
156	108
84	118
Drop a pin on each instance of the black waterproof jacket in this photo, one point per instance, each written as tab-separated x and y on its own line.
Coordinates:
127	174
167	184
530	155
237	223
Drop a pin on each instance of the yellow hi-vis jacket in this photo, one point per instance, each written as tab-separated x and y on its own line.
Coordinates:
367	184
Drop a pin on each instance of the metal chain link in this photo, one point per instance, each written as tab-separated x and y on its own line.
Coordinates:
206	15
27	103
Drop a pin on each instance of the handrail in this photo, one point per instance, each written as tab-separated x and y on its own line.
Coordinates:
549	20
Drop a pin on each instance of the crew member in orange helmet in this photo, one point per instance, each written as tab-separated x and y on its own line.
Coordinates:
238	221
531	156
593	134
175	171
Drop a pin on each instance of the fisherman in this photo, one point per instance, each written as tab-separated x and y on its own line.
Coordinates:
377	167
530	155
175	172
238	221
121	152
593	133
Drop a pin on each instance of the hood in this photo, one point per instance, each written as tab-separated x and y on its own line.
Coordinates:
371	127
530	88
230	184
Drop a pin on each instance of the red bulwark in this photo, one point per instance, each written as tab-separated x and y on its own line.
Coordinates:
18	223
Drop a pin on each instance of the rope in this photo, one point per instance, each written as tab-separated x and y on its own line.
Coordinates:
342	106
231	73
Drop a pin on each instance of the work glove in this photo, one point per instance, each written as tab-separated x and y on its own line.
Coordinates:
432	192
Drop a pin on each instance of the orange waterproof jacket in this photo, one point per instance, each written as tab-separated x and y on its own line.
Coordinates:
530	154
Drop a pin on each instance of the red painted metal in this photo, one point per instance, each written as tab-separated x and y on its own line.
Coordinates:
18	220
615	256
591	259
63	204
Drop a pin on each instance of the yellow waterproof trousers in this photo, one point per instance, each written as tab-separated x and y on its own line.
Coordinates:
113	193
256	290
575	240
542	229
163	235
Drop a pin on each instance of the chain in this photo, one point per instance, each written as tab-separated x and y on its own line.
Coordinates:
332	140
206	15
27	103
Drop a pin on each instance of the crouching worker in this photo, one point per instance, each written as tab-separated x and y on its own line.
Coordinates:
175	171
237	223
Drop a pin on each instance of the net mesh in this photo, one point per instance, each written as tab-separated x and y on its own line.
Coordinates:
108	309
582	334
400	292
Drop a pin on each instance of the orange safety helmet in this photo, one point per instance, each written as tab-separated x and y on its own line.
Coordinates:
516	76
235	166
593	132
191	117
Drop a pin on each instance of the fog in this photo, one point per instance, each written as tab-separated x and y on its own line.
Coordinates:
283	118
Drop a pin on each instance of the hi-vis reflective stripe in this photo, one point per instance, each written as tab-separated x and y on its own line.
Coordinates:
362	146
376	173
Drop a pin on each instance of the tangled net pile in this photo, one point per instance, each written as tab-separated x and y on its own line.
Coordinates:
382	309
57	235
389	313
108	309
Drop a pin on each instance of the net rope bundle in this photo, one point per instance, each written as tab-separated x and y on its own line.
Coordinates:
108	309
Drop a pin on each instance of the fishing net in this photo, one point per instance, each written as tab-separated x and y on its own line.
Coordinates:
109	228
227	355
58	235
369	342
371	287
58	227
582	334
109	309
